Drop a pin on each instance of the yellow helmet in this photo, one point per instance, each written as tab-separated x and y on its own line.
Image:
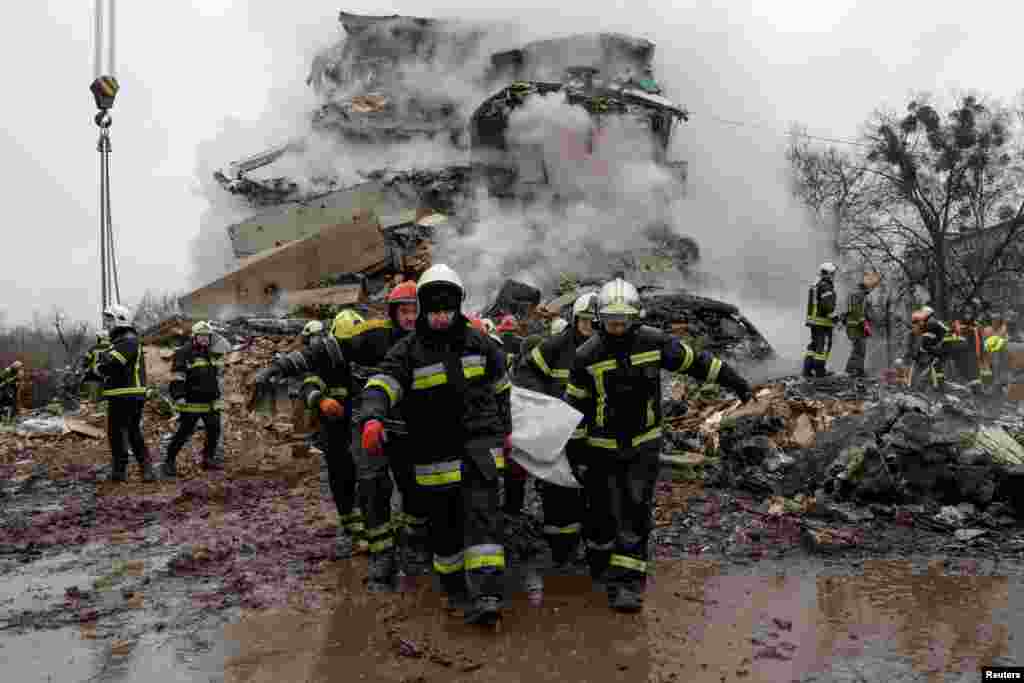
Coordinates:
346	322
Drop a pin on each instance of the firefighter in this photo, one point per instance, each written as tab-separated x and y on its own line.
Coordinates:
9	390
327	388
821	317
367	344
935	338
448	378
858	323
123	368
615	382
546	370
558	325
197	387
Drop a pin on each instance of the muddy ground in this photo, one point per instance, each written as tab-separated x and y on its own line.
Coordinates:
232	577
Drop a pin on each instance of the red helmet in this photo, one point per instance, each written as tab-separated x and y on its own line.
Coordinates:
507	324
404	293
477	323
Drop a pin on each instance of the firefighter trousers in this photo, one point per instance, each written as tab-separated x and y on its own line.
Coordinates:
563	519
376	488
124	429
187	423
818	351
858	353
620	498
515	488
465	521
341	474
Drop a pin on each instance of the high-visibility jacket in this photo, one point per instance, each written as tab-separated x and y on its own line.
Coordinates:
123	366
198	377
857	310
545	368
448	385
368	343
324	368
821	303
616	383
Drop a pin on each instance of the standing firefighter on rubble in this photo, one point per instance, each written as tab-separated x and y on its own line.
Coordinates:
447	377
367	345
327	388
858	323
546	370
615	382
197	387
935	339
821	317
9	390
123	368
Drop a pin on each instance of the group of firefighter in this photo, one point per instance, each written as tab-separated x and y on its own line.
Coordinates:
434	419
975	346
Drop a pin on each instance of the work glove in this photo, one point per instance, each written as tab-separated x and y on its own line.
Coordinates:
331	408
743	391
507	449
374	438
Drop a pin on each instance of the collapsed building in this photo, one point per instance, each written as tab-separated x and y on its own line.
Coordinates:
317	241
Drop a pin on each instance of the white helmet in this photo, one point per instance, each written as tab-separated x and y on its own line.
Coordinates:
827	268
312	327
618	301
584	306
438	276
558	325
202	327
121	315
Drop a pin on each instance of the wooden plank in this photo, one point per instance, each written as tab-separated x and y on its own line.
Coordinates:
343	295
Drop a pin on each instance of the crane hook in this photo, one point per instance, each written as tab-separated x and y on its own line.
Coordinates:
103	119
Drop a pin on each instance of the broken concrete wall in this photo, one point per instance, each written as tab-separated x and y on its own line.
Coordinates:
354	246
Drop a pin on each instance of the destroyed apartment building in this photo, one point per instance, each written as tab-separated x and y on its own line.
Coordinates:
321	243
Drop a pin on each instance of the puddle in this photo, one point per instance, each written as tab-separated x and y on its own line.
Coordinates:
886	623
41	584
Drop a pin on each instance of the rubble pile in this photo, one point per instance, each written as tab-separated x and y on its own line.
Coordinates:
888	446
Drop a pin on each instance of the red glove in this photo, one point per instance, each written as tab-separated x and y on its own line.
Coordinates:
373	437
331	408
508	446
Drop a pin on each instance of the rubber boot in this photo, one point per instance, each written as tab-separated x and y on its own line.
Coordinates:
625	598
148	474
534	586
808	369
597	561
485	611
169	469
381	571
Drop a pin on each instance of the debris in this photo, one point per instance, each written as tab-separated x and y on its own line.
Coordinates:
85	429
969	534
1000	446
951	516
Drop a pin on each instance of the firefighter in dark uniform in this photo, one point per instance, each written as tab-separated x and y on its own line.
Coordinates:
9	390
936	339
197	387
821	317
327	389
123	368
858	320
367	344
447	377
546	370
615	382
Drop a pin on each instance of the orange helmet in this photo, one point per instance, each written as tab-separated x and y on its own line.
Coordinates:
477	323
507	324
404	293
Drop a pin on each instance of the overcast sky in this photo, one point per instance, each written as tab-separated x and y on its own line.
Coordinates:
186	67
